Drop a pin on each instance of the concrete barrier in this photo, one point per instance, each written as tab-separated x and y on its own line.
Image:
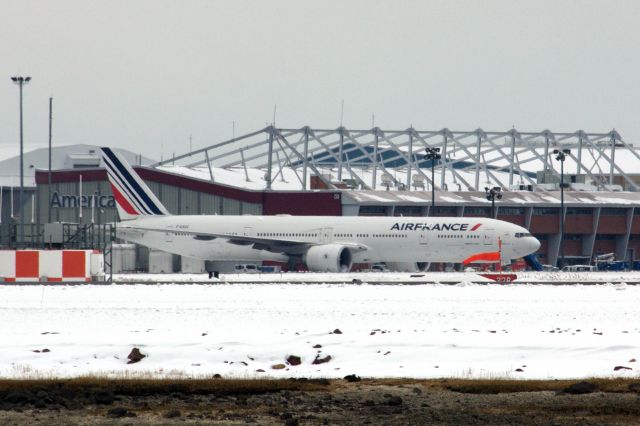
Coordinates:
51	265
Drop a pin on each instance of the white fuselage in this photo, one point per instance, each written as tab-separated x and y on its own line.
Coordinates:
387	239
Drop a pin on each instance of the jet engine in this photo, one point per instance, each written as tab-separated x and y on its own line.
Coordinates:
329	258
407	266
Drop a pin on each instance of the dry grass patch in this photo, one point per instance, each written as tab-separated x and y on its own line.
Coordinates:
201	386
221	386
485	386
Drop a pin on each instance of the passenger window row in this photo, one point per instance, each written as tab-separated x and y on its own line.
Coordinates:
285	234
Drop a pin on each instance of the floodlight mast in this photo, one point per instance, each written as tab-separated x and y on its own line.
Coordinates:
433	154
21	81
561	155
492	194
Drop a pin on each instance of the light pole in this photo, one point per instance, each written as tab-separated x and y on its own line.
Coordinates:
433	154
492	194
21	81
561	156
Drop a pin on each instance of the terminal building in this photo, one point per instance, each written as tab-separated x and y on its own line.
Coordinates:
372	172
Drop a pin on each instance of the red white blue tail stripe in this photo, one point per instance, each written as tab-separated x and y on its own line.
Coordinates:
133	197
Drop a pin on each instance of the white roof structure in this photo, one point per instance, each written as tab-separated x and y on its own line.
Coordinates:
253	179
395	159
517	198
62	157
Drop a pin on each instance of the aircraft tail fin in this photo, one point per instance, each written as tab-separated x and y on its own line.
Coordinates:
133	197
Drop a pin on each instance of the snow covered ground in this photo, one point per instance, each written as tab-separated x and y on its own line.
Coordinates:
389	277
464	330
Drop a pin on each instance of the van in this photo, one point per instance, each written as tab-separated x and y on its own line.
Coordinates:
246	268
550	268
379	267
579	268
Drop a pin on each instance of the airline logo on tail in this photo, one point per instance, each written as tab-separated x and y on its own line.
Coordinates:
133	197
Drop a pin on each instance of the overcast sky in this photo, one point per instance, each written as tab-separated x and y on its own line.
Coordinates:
147	75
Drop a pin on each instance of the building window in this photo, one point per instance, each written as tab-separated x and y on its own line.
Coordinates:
511	210
545	210
477	211
373	211
408	211
579	211
445	211
613	211
605	237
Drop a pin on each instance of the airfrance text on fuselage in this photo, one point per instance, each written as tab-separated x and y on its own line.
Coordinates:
430	227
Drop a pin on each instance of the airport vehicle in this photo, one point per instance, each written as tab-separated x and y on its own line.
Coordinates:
579	268
379	267
550	268
323	243
246	268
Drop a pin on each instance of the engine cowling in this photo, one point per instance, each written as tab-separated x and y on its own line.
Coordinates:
407	266
329	258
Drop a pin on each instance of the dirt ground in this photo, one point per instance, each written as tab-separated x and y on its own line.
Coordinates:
318	402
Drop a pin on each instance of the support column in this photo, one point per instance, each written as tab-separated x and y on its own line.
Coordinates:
513	159
443	160
553	248
341	131
206	156
613	158
546	151
375	158
270	158
244	166
478	149
580	139
622	241
410	158
528	215
306	158
589	241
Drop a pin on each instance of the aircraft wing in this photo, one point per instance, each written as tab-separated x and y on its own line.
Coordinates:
275	245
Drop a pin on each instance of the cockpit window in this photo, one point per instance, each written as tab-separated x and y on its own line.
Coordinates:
523	234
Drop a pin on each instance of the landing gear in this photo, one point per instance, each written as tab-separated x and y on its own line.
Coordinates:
213	274
292	263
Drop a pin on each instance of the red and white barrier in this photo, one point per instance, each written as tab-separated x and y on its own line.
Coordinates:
51	265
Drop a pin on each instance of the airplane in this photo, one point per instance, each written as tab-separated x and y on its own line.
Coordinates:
323	243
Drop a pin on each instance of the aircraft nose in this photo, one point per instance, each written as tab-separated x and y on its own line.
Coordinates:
532	245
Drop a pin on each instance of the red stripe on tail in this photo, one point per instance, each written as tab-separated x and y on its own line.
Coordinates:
122	201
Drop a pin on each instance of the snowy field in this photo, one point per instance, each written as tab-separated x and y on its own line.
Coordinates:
631	277
464	330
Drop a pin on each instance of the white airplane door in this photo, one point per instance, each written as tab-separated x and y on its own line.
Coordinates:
247	231
487	237
326	235
424	238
